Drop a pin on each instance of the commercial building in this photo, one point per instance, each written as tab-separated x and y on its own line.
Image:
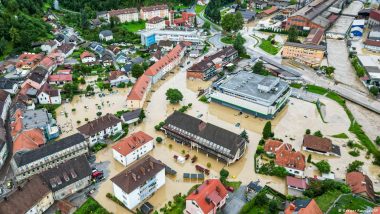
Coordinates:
217	142
320	145
139	181
314	37
372	42
261	96
208	198
311	55
40	159
210	65
149	12
101	128
139	92
151	37
132	148
125	15
341	28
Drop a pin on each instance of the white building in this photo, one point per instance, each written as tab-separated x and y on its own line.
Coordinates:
131	116
125	15
5	103
154	36
155	23
130	149
149	12
101	128
49	95
106	35
139	181
49	46
117	77
87	57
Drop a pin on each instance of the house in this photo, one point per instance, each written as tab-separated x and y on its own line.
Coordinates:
155	23
139	92
32	162
261	5
48	63
374	18
107	59
117	77
7	66
130	149
166	45
49	95
296	186
156	56
127	68
210	65
68	177
372	42
269	11
8	85
64	71
5	103
28	140
271	146
137	60
125	15
60	79
194	53
49	46
87	57
207	198
66	49
248	15
360	184
3	144
311	55
166	63
131	116
37	78
149	12
303	206
121	58
34	197
101	128
139	181
320	145
253	188
106	35
217	142
294	162
27	61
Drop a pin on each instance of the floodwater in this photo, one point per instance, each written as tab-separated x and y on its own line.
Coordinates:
290	125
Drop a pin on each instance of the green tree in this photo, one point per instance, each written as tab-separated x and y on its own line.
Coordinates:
273	205
355	166
228	22
323	166
374	90
318	134
158	139
329	70
307	131
142	115
293	35
224	174
261	199
239	45
309	158
377	141
174	95
206	25
244	135
293	2
258	68
137	70
238	22
279	171
267	131
15	36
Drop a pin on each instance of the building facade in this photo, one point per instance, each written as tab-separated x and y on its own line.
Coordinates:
155	23
139	92
151	37
125	15
311	55
149	12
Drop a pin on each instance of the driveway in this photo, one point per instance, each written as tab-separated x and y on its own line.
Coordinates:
235	201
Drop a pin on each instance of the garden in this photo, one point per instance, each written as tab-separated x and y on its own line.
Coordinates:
270	45
350	202
91	206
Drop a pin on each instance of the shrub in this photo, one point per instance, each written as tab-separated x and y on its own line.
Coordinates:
203	99
308	131
267	131
78	121
208	165
260	150
354	166
170	146
224	174
158	139
309	158
323	166
318	134
354	153
73	110
377	141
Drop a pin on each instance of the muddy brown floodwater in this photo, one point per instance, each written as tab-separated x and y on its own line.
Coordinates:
290	125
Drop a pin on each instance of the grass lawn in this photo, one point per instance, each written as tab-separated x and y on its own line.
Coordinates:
134	26
233	184
268	47
91	206
350	202
227	40
296	85
341	135
316	89
325	201
199	8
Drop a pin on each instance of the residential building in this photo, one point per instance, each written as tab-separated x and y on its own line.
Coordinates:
7	66
293	161
125	15
208	198
107	59
106	35
35	197
269	11
149	12
3	144
194	53
28	140
66	49
155	23
121	58
296	186
165	45
151	37
210	65
360	184
131	148
374	18
117	77
156	56
68	177
261	96
49	95
49	46
5	103
303	206
36	78
166	63
186	20
35	161
87	57
48	63
217	142
320	145
131	117
139	181
314	37
271	147
60	79
8	85
139	92
311	55
101	128
27	61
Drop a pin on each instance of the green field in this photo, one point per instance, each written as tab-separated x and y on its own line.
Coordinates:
134	26
227	40
199	8
325	201
268	47
91	206
350	202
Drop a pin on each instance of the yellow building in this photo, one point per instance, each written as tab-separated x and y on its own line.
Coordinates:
311	55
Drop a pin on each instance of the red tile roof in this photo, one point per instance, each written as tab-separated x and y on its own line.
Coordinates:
296	182
153	8
320	144
28	140
155	20
274	145
131	143
372	42
310	208
47	62
123	11
375	15
86	54
290	159
65	71
16	125
30	59
360	183
270	10
139	88
212	189
376	210
115	74
60	77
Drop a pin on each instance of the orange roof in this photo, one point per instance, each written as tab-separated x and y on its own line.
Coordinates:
270	10
30	59
139	88
360	183
131	143
86	54
17	124
115	74
303	206
290	159
376	210
47	62
212	189
28	140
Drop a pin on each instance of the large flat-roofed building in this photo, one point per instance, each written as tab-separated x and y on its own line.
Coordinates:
223	144
262	96
311	55
151	37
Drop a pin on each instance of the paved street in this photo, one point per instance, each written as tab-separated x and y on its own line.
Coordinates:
235	201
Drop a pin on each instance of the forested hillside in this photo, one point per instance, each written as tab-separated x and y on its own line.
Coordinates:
213	9
21	24
101	5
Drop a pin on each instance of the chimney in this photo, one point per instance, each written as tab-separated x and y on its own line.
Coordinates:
151	164
142	170
208	200
134	176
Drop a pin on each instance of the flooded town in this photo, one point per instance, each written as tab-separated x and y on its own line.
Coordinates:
233	107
